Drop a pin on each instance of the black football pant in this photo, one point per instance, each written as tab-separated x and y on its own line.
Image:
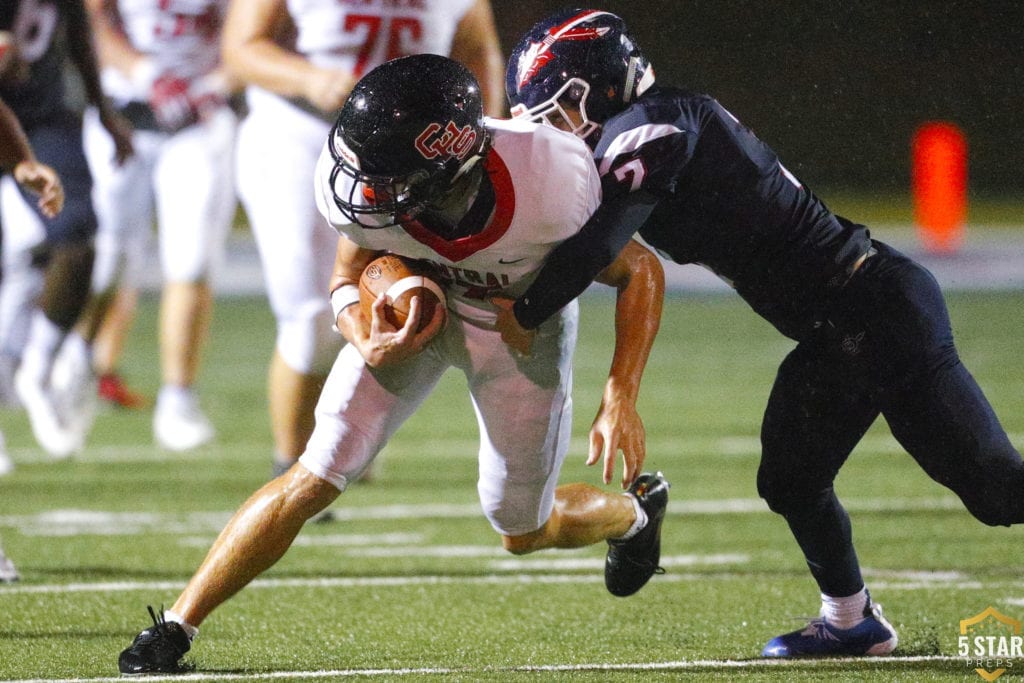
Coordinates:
886	348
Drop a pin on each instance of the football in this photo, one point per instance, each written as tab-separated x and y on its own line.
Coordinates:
400	279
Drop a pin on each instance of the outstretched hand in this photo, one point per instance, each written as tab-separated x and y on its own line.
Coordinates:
618	427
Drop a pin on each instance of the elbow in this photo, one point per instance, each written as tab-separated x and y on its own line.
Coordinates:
651	270
635	266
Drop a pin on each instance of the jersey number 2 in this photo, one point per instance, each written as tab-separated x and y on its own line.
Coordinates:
632	173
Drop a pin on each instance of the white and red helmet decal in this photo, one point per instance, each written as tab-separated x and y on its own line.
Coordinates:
538	54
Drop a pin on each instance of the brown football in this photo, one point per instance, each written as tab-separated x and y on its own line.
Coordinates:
401	279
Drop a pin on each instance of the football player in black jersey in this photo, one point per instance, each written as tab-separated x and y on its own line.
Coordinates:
31	83
873	332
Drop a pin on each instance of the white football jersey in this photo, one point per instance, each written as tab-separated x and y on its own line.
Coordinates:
360	34
546	187
180	36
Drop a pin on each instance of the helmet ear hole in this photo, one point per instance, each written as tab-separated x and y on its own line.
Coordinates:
576	92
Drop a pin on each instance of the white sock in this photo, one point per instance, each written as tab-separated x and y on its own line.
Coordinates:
845	612
44	340
639	523
175	397
76	347
190	630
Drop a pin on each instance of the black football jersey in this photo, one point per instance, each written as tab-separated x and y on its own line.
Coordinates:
700	187
36	25
726	202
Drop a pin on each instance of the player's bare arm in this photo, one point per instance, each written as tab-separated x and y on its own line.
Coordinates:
379	342
80	48
251	54
476	45
112	45
640	280
16	155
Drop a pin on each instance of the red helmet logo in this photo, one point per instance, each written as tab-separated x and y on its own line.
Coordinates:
449	141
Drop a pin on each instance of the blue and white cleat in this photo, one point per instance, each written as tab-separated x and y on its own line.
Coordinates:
871	638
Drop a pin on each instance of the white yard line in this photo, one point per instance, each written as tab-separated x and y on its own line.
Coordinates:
76	522
517	575
324	582
738	445
681	665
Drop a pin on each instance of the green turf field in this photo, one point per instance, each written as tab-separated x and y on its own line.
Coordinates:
410	583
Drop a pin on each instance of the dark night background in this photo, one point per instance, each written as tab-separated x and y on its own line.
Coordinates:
837	88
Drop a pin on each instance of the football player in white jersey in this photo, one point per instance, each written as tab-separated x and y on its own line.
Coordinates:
301	59
411	166
18	159
161	62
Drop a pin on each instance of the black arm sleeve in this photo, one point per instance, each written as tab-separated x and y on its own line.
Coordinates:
573	264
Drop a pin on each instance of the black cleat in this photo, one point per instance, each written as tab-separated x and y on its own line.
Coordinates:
630	564
157	649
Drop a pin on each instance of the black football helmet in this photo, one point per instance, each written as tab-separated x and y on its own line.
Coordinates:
410	128
583	57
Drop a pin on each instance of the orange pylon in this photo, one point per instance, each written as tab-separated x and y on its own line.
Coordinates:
939	184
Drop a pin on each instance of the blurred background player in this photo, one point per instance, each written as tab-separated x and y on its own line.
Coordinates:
300	60
45	34
161	67
109	341
18	159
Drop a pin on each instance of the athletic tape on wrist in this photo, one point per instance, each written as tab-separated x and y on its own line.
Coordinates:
342	298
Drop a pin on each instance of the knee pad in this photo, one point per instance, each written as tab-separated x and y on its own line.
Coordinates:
108	268
20	289
188	263
774	494
306	340
784	495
